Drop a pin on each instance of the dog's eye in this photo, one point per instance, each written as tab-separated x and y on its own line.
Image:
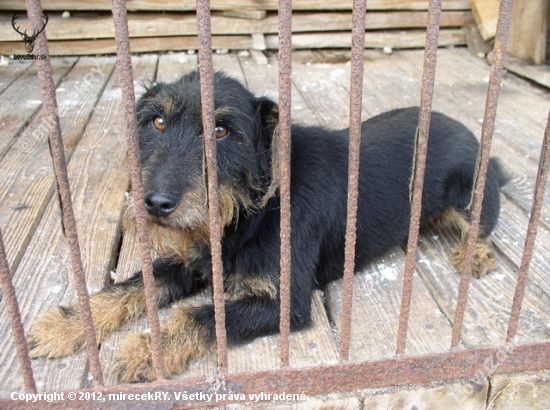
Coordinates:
221	131
159	123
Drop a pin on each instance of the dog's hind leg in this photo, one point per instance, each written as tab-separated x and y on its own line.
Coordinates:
458	194
59	332
484	259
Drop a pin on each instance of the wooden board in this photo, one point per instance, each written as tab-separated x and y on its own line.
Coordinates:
31	183
9	75
44	278
377	39
536	73
520	391
486	15
187	5
528	30
85	26
15	111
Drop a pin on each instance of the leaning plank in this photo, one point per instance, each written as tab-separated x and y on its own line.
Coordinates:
486	15
15	111
189	5
44	279
83	26
27	191
528	30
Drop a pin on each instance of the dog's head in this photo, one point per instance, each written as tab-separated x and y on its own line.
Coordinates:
170	136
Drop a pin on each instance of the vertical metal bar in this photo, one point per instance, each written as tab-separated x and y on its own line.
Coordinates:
47	85
124	63
497	69
419	164
207	101
536	209
14	315
285	87
356	103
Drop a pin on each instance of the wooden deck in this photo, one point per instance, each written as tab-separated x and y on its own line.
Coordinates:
91	118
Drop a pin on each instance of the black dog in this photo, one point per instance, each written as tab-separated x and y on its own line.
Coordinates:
170	137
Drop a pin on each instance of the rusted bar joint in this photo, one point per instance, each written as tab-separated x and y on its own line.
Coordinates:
497	69
47	84
124	63
285	89
419	165
536	210
356	104
207	102
14	315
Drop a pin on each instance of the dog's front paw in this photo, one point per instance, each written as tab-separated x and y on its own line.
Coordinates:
134	360
484	258
56	333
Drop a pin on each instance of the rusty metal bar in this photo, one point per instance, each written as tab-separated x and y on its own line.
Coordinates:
14	315
285	87
536	209
207	101
124	63
497	69
419	164
396	371
34	10
356	104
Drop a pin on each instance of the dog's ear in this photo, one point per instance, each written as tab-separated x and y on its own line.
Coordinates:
268	158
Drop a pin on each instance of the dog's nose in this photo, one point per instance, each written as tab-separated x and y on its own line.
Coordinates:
160	204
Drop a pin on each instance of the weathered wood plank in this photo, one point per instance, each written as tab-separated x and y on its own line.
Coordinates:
464	395
43	280
377	39
520	391
187	5
83	26
528	30
15	112
12	72
138	45
486	15
538	74
27	181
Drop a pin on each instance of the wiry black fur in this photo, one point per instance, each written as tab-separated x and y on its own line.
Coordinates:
173	159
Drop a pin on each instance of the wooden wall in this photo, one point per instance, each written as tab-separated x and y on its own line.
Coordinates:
237	24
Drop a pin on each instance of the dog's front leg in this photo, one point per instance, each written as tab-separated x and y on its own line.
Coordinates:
59	332
190	333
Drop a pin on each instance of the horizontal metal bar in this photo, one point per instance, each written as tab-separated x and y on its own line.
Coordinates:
397	371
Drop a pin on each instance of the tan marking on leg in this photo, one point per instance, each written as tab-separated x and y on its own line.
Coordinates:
238	286
59	332
183	339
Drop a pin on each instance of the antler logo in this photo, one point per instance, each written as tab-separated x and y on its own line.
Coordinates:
29	40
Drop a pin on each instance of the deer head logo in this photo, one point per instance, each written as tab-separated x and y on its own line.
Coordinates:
29	40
